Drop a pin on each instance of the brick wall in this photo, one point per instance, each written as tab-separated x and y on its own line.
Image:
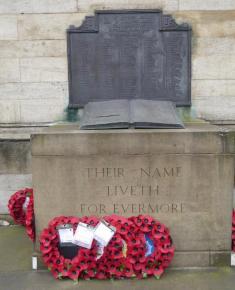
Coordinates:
33	61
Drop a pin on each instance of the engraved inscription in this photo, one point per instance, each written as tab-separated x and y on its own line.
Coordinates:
134	190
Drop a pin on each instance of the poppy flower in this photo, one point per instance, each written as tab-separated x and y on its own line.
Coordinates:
160	227
83	264
59	261
47	257
158	271
115	219
157	235
139	274
128	270
73	273
167	250
138	266
47	235
92	221
148	220
137	220
132	259
149	267
56	272
101	273
91	272
45	241
45	249
114	269
64	272
116	253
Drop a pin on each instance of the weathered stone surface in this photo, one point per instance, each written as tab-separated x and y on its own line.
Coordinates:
8	27
209	23
31	91
10	183
34	6
222	89
15	158
9	70
35	48
191	259
91	5
206	5
178	177
42	110
10	111
22	133
43	35
219	67
47	26
48	69
213	45
220	258
193	139
33	111
214	108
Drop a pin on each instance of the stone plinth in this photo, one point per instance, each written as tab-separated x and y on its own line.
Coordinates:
184	178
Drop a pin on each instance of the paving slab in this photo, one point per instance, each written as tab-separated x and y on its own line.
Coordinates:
197	279
15	250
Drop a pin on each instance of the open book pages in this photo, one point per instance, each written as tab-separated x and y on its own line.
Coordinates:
121	114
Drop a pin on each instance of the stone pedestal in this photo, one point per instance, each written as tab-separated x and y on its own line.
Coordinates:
184	178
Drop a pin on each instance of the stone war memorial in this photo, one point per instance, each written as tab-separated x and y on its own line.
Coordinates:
117	144
182	177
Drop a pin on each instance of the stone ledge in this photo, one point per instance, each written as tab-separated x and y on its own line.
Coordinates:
200	139
14	133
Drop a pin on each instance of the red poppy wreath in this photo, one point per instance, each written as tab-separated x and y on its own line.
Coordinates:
140	247
21	208
18	204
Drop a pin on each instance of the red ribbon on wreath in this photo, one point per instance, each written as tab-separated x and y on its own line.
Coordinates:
140	247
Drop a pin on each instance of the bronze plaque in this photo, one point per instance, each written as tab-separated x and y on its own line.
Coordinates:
129	54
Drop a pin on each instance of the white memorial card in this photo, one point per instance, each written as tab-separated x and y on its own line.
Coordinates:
26	203
100	251
83	236
232	259
34	263
65	235
104	233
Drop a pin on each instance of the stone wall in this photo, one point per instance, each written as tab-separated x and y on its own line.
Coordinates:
15	162
33	60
